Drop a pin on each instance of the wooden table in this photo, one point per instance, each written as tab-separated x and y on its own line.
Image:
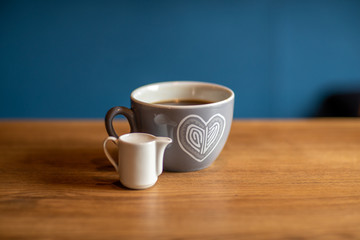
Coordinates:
283	179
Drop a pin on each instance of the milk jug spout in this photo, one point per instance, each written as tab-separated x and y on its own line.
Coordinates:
161	144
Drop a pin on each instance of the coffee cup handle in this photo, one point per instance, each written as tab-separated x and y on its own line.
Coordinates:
112	113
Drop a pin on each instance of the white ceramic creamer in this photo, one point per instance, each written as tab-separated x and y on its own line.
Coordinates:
140	158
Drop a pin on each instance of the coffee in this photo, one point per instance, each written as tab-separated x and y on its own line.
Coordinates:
183	102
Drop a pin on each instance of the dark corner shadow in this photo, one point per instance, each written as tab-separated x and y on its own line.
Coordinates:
338	101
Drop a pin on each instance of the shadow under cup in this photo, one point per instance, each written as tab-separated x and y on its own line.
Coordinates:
197	116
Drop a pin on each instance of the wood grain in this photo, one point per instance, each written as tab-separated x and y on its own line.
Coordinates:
289	179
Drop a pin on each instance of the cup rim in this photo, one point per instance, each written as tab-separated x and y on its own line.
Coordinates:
195	83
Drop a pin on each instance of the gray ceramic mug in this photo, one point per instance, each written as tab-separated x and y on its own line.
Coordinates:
197	116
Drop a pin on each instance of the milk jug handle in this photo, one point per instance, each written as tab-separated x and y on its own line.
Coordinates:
109	157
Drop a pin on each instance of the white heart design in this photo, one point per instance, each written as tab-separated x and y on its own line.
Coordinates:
199	138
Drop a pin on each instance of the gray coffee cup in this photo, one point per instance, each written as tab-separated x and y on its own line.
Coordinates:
197	116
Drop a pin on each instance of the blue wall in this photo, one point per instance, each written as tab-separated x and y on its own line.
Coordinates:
76	59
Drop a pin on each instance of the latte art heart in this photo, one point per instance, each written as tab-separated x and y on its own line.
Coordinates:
199	138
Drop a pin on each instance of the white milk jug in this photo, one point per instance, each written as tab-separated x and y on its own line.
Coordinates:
140	158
